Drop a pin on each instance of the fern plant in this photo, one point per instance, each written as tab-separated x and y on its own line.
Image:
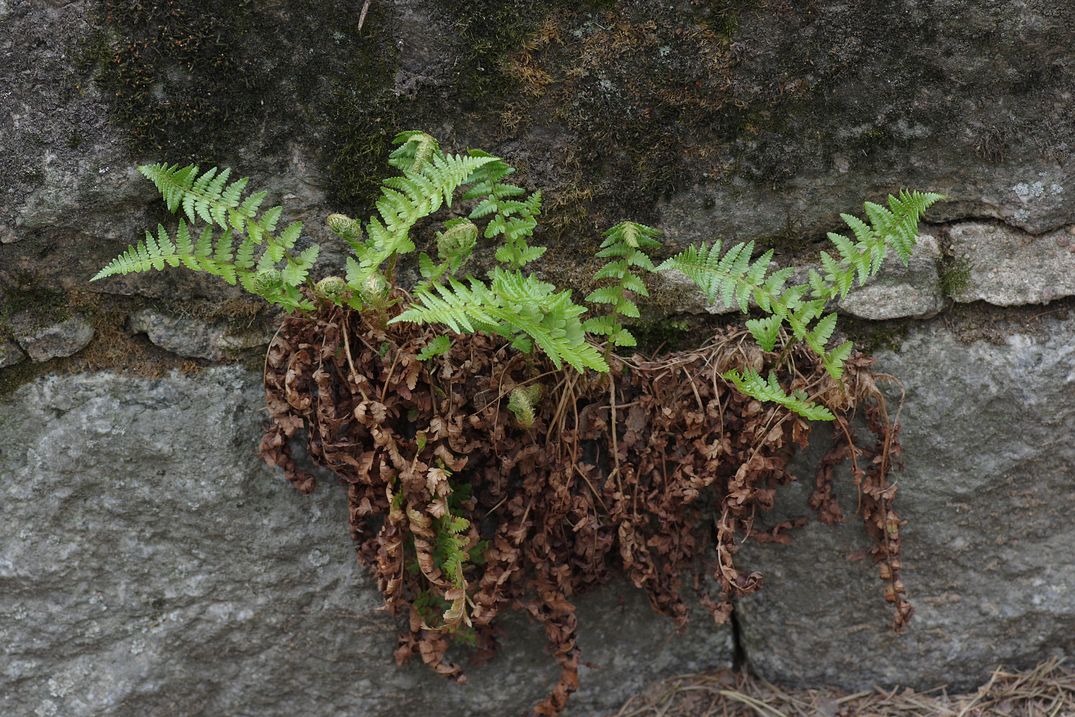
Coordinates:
527	311
237	243
627	244
733	278
223	231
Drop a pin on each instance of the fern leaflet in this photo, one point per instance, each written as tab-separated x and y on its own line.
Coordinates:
627	244
516	306
752	384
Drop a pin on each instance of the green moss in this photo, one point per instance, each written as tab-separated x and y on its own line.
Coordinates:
13	377
361	117
873	336
954	275
202	81
187	80
44	304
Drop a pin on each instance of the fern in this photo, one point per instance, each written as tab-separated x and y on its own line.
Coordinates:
509	217
626	244
522	401
428	182
241	243
247	250
438	346
752	384
450	554
519	307
894	228
733	278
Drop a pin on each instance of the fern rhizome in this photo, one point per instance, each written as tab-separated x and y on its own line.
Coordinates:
496	451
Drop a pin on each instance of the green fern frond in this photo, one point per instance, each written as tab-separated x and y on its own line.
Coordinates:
834	360
752	384
429	181
731	276
510	218
233	255
892	228
413	150
511	305
765	331
438	346
627	244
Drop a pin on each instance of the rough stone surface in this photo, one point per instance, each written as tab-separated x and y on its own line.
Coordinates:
54	340
10	354
186	593
741	120
151	565
196	338
987	495
898	291
1008	267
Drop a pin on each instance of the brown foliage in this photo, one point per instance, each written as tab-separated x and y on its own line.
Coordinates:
659	470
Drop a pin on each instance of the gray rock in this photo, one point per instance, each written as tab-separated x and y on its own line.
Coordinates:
197	338
10	354
898	291
54	340
150	564
987	495
1008	267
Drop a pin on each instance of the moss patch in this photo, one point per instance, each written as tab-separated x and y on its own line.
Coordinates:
954	274
201	80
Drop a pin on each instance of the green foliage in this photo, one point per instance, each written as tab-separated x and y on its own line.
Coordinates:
437	347
509	217
733	278
627	245
237	243
522	402
527	311
752	384
223	231
894	228
428	181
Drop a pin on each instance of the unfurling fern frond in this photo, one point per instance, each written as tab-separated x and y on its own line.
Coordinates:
519	307
522	401
751	383
627	244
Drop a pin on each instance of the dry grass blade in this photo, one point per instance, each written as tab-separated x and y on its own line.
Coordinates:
1047	690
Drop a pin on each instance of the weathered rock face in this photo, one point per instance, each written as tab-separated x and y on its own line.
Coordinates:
1007	267
987	495
738	119
151	565
197	338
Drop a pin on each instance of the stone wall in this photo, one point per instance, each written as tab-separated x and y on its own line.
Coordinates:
150	565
